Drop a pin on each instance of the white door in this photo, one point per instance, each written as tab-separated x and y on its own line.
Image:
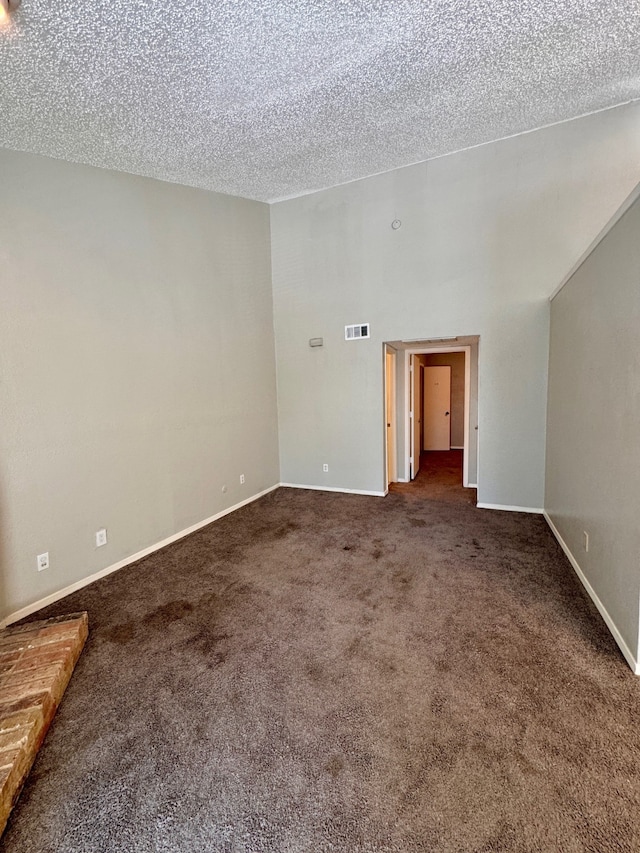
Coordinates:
390	413
415	414
437	408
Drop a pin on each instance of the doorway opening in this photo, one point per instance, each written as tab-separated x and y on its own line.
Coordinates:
438	412
436	421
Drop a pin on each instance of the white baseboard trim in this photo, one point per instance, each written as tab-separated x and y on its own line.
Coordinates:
67	590
457	447
402	480
506	508
471	486
611	625
334	489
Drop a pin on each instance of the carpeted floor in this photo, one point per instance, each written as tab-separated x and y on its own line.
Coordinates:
324	672
439	479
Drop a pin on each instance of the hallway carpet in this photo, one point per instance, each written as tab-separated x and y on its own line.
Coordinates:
325	672
439	479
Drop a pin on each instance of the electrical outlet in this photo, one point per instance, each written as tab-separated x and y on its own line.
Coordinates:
585	540
101	538
43	561
241	479
325	468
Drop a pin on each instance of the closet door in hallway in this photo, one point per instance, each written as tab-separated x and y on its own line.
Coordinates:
437	408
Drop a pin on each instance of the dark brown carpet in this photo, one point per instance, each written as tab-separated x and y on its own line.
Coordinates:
323	672
439	478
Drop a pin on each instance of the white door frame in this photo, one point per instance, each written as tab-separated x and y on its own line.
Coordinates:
414	463
467	397
389	350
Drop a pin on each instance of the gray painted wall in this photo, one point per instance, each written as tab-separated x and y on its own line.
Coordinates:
137	370
593	452
486	236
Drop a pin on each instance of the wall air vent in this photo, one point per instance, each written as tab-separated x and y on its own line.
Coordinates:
354	333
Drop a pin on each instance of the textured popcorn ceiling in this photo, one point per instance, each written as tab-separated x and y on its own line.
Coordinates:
267	98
